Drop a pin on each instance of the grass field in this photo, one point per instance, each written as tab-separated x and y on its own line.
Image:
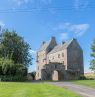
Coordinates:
33	90
90	83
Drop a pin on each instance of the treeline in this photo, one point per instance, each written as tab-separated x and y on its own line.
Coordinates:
14	56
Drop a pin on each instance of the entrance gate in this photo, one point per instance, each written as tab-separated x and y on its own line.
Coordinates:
55	75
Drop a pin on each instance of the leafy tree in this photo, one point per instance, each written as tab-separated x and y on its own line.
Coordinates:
33	74
15	48
7	67
92	63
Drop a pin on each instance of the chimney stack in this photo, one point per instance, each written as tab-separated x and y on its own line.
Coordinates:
53	37
63	42
43	42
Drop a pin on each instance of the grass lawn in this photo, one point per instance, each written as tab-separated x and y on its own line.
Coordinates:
90	83
33	90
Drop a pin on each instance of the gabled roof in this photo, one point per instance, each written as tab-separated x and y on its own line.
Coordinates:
44	46
61	47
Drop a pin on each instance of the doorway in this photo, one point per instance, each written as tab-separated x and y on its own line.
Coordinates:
55	75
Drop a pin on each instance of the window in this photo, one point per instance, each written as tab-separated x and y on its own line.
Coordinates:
58	55
62	54
53	57
38	67
38	74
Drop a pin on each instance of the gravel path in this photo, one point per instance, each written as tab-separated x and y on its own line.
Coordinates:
79	89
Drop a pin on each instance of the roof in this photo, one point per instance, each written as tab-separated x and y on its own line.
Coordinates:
61	47
44	46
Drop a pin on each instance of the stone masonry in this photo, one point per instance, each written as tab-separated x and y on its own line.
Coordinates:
59	62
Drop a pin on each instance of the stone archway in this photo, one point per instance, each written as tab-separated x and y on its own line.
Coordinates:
55	75
53	71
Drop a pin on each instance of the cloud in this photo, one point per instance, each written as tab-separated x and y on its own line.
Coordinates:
32	52
77	29
80	4
22	2
64	36
1	25
88	71
46	1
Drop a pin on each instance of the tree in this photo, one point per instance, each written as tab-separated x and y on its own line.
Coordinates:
15	48
92	63
6	66
12	72
33	74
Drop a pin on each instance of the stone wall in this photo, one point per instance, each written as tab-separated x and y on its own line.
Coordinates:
63	64
41	58
40	63
48	71
59	57
75	58
56	71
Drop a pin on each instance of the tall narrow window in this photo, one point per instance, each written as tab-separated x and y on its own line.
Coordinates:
53	57
58	55
38	67
62	54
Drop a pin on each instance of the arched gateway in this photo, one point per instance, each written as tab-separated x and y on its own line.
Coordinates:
53	71
55	75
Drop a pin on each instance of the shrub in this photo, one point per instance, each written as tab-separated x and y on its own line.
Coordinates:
82	77
12	72
13	78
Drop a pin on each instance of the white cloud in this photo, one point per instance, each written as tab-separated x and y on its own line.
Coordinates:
46	1
62	26
32	52
88	71
77	29
1	25
64	36
21	2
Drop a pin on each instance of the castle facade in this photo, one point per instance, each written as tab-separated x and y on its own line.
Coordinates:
59	61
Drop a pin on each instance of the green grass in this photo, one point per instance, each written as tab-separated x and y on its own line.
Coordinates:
33	90
89	83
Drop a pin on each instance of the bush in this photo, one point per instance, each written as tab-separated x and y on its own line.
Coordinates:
82	77
12	72
13	78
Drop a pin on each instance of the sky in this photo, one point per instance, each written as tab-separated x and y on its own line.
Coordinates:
39	20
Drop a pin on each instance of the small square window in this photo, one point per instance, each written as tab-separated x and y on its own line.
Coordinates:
58	55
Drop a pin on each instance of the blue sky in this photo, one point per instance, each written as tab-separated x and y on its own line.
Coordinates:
38	20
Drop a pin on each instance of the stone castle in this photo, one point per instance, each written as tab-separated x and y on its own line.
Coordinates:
59	62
